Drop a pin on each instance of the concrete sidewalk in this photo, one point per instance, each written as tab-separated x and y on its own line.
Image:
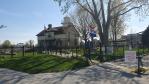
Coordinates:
96	74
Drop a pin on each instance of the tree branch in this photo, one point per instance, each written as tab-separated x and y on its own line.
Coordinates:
99	12
130	10
120	5
89	5
77	1
95	7
103	14
108	15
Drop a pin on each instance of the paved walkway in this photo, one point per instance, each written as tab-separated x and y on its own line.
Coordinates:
96	74
121	62
106	73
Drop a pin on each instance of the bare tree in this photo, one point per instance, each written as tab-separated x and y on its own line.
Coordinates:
29	43
102	12
118	22
82	21
118	27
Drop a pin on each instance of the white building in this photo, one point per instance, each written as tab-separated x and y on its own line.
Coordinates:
59	37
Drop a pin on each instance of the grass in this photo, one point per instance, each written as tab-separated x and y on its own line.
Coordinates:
117	54
41	63
79	51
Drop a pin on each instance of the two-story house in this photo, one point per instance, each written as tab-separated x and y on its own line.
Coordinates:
59	37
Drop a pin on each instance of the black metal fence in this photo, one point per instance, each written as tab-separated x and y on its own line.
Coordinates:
13	51
98	52
117	51
33	51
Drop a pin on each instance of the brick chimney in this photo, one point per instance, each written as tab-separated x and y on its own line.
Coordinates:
66	21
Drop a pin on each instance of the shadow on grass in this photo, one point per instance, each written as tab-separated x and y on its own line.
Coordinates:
98	74
41	64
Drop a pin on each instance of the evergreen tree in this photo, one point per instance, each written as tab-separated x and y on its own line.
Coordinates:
145	37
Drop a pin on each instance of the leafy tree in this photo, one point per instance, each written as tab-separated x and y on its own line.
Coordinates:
6	44
145	37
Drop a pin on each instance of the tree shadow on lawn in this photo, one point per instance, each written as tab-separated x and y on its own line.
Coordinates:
63	65
44	67
38	64
96	73
27	63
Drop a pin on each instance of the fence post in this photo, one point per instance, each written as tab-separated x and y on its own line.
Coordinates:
56	50
76	51
23	51
33	50
105	53
100	51
113	55
61	51
72	51
143	49
138	49
123	50
50	51
12	51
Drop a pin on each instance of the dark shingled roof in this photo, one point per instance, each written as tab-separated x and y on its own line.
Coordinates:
54	29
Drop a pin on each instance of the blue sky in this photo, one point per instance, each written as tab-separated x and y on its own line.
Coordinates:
26	18
136	23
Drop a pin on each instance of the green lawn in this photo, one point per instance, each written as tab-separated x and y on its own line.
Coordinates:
41	63
117	54
79	51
